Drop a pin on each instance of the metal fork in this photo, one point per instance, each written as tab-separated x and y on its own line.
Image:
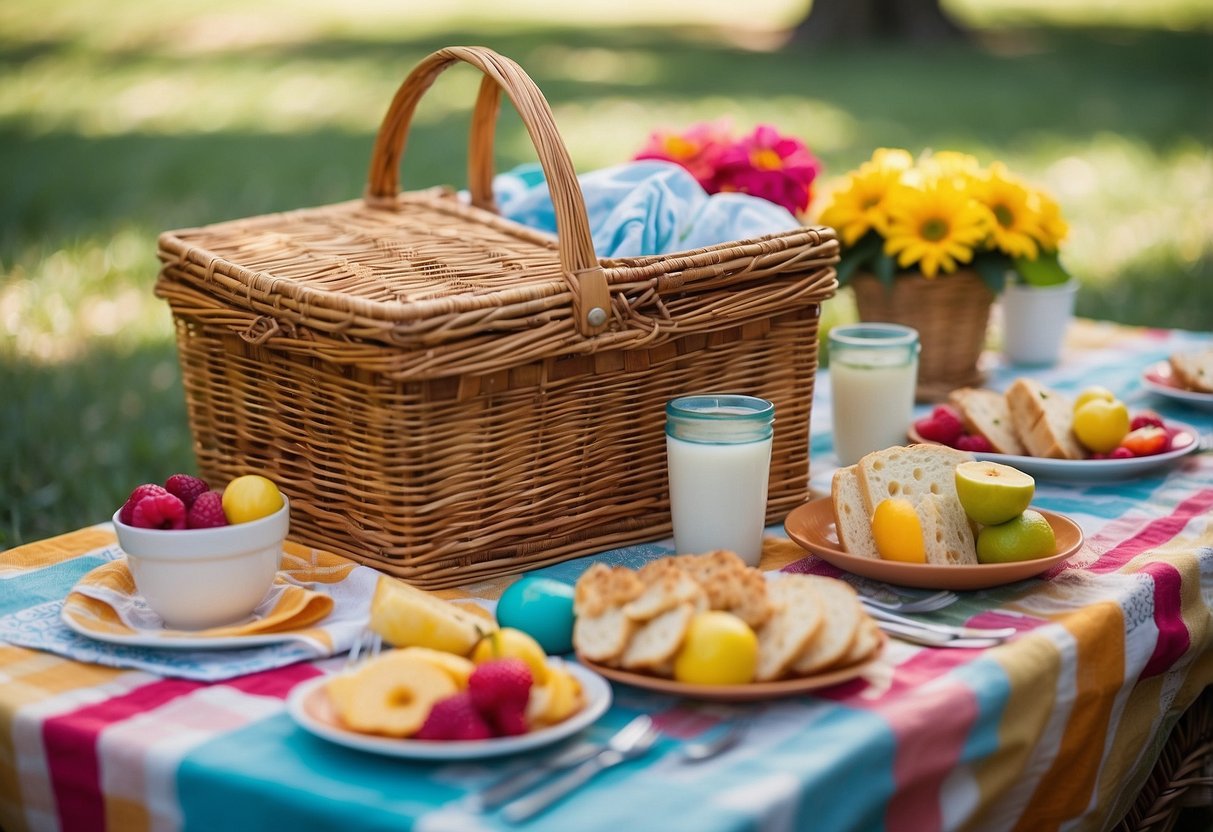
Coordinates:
635	740
368	646
930	603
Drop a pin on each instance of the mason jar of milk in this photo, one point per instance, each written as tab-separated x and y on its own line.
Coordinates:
873	374
718	448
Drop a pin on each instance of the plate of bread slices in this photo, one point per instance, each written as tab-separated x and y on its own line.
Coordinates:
1048	434
1185	377
898	516
710	627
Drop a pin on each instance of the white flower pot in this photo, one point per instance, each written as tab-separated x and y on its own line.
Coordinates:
1035	319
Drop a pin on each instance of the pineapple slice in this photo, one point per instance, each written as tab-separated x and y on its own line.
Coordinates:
409	617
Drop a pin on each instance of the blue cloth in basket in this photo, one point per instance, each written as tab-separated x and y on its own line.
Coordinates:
639	208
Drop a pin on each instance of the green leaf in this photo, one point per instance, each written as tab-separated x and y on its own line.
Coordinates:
884	268
992	267
1044	270
858	256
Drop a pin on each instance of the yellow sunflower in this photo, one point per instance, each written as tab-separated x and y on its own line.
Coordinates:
858	206
954	166
1016	221
1051	228
935	227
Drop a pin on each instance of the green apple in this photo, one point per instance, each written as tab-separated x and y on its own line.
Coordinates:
993	493
1026	537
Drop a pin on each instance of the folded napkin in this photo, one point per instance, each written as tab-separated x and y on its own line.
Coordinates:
318	606
640	208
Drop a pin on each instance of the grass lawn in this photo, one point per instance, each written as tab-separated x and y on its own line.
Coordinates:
119	120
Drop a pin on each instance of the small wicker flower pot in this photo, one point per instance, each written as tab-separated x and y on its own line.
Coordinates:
950	313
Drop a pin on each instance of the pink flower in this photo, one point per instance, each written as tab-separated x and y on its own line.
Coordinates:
698	150
768	165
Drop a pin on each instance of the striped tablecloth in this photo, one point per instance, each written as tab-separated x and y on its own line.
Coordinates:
1054	730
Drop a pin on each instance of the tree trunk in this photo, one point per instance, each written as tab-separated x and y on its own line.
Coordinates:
912	21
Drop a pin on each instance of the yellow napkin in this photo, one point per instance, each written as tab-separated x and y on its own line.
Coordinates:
105	601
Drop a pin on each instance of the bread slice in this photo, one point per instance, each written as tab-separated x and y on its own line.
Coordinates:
986	412
602	638
852	517
921	473
1043	419
656	642
798	618
1193	370
843	616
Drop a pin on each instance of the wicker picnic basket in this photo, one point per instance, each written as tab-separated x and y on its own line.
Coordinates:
446	395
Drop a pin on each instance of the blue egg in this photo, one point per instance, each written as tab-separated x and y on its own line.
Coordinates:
542	608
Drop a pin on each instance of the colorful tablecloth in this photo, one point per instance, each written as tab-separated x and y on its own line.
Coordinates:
1054	730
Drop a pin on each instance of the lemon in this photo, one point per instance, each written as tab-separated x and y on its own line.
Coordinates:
993	493
1093	393
719	649
898	531
1100	425
1025	537
249	498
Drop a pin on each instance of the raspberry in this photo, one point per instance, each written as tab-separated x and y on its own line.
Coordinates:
1121	453
206	512
974	443
943	425
500	684
510	721
186	488
454	718
159	511
148	489
1146	419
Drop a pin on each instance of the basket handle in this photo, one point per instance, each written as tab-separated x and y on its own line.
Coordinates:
591	297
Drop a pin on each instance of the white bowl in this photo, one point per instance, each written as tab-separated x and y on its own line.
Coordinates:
199	578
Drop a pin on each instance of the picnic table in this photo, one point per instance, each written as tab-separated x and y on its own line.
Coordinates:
1060	727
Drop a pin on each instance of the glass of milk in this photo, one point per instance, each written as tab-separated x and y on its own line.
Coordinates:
873	373
718	448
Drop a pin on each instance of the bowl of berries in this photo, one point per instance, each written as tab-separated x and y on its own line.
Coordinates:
203	558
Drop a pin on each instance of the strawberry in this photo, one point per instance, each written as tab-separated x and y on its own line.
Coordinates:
974	443
1146	419
454	718
510	721
1146	441
206	512
159	511
1121	452
943	425
186	488
148	489
500	684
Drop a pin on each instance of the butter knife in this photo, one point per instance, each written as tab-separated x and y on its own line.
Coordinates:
513	785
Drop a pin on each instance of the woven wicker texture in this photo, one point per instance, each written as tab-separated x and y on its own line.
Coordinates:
1181	773
445	394
950	313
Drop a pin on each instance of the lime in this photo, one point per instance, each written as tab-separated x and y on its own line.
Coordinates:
249	498
1026	537
897	531
993	493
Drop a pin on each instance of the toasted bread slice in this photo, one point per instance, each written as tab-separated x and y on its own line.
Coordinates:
602	638
666	587
659	639
1193	370
843	616
852	517
1043	419
986	412
797	620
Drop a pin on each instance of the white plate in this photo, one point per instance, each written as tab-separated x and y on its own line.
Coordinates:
1095	470
309	706
157	638
1159	379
